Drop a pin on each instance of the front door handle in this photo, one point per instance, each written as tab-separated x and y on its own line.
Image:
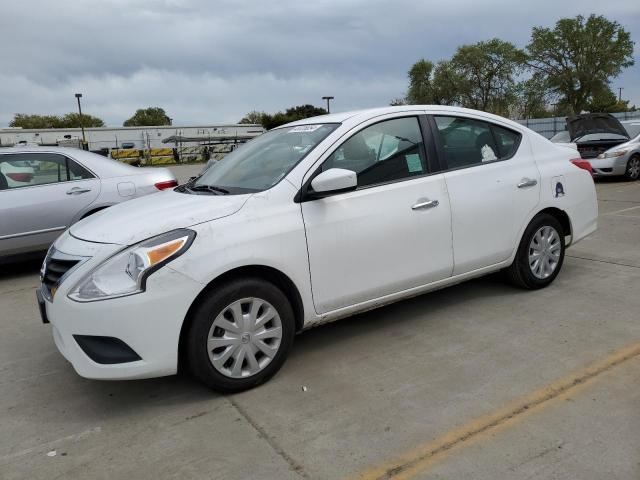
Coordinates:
78	191
527	182
426	204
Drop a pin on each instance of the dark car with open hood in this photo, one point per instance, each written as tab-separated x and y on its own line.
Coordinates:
593	133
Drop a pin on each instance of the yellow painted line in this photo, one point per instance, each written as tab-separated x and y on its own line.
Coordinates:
417	460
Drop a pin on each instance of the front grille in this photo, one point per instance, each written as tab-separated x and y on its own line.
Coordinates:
54	269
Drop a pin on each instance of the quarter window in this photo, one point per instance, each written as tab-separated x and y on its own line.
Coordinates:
467	142
384	152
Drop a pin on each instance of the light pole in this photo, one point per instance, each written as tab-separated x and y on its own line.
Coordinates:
84	140
328	99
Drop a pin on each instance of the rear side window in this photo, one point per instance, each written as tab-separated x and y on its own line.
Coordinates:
32	169
467	142
507	141
384	152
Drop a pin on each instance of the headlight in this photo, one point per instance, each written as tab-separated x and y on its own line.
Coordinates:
613	153
126	272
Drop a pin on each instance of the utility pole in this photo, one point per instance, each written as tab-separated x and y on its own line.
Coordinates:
328	99
84	140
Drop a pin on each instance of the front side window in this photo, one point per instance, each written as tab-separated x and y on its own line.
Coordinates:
31	169
264	161
467	142
384	152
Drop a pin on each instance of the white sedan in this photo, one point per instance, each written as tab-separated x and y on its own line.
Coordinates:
308	223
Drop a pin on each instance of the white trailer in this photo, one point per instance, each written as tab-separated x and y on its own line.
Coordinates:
109	138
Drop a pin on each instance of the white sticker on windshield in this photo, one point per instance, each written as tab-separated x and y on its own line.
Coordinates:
304	129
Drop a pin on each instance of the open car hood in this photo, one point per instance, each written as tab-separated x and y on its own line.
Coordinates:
589	123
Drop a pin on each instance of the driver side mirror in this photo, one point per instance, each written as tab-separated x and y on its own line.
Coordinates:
334	180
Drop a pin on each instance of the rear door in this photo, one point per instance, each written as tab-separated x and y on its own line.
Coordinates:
493	184
34	213
392	233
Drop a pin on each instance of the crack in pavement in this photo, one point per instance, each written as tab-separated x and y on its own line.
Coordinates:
603	261
293	465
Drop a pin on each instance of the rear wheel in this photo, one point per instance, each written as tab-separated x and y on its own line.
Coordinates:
240	335
633	168
540	253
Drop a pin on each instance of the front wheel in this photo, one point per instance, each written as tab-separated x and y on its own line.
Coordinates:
540	253
240	335
633	168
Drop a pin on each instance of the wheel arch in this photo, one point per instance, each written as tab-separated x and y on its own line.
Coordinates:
263	272
561	216
91	211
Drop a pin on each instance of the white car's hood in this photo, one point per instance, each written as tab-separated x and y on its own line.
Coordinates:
133	221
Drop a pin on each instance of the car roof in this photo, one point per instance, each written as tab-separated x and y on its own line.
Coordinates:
361	115
102	166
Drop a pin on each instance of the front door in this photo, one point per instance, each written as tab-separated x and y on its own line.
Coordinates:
392	233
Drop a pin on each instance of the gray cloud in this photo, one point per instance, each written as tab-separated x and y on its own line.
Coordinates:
211	61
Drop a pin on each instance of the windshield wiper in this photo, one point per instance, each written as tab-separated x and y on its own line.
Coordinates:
208	188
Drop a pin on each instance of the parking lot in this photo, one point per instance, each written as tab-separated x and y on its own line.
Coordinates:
480	380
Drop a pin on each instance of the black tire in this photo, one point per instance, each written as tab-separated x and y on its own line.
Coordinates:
519	272
203	317
632	172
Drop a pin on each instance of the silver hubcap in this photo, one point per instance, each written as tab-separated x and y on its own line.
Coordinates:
244	337
634	167
544	252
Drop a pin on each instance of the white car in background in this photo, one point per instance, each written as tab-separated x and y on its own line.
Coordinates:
44	190
16	173
308	223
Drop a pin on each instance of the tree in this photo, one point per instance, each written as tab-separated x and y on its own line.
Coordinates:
148	117
606	101
420	88
578	57
447	84
532	98
292	114
70	120
254	117
303	111
485	74
439	85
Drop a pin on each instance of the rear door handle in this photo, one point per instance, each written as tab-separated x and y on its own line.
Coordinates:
78	191
426	204
527	182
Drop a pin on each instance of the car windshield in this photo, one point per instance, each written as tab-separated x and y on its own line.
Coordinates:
561	137
264	161
632	128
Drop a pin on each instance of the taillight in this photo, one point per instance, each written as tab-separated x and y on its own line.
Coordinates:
578	162
20	177
166	184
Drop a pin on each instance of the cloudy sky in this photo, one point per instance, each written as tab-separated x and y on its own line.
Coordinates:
211	61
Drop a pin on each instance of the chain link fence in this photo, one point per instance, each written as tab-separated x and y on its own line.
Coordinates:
548	127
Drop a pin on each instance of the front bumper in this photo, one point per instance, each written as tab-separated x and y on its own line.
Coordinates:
148	323
609	166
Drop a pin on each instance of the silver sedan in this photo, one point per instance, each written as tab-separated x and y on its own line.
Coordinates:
623	159
45	190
